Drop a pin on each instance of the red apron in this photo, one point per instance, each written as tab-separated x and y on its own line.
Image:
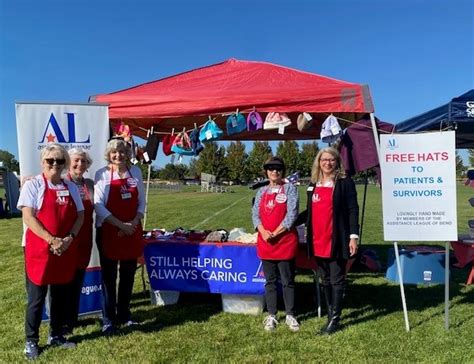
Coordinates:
84	238
322	221
273	207
123	204
57	214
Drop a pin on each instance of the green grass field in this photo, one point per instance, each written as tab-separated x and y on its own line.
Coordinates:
196	329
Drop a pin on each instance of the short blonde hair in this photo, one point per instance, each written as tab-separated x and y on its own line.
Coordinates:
82	153
316	173
115	144
56	147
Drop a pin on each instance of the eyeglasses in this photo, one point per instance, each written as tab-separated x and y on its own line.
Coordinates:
51	161
329	160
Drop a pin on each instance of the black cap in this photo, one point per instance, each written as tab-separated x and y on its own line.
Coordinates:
274	162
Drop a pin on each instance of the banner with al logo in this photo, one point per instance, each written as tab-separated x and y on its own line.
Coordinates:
419	186
83	126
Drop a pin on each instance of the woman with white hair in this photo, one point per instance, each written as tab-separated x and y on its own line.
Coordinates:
80	162
53	214
119	204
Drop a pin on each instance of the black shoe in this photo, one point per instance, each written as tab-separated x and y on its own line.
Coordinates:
31	350
108	329
333	326
61	342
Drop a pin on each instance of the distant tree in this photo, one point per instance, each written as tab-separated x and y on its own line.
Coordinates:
260	152
289	152
144	169
174	172
155	173
307	156
460	168
212	160
471	157
236	161
9	161
193	168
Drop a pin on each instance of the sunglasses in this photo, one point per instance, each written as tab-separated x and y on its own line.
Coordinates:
276	169
51	161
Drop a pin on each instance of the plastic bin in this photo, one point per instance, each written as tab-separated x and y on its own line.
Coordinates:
163	298
246	304
419	264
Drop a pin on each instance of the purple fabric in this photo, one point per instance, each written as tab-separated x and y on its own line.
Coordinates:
358	151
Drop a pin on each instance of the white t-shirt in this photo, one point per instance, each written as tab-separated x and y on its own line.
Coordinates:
102	189
32	195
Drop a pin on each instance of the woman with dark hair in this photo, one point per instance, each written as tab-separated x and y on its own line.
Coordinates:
119	205
274	212
53	214
332	223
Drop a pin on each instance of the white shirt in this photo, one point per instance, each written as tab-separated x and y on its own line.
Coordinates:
102	189
32	195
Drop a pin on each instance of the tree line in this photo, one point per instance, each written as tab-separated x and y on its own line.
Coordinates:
235	164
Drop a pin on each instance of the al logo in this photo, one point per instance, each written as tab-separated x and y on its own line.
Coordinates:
54	134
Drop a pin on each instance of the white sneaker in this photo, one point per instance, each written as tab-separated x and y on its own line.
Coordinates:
270	323
292	323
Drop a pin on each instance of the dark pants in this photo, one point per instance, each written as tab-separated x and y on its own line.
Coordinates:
115	306
332	271
286	269
59	309
333	276
74	297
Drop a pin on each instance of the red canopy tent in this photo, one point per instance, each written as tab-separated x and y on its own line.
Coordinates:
182	100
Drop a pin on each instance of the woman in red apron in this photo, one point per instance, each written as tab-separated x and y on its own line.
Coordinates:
332	223
120	203
80	162
274	213
53	213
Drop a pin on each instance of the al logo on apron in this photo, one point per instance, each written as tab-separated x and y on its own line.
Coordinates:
273	208
57	214
123	204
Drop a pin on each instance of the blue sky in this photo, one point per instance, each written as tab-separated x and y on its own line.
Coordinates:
414	55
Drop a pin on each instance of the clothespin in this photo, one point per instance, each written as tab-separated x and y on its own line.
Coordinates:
172	131
195	126
253	109
237	112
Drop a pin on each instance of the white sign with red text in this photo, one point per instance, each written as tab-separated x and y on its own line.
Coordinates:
419	186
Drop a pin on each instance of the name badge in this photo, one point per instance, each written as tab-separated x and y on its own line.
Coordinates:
310	188
126	195
62	193
280	198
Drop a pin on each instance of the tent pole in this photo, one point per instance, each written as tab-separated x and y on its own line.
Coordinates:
376	135
147	187
363	210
